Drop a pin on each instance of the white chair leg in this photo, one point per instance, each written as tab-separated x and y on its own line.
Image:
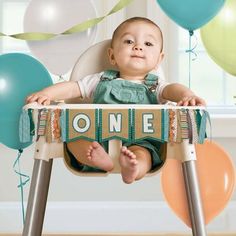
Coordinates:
192	189
37	199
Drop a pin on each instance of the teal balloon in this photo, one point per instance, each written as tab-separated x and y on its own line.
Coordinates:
191	14
20	75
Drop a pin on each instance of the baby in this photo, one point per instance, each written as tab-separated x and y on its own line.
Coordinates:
136	50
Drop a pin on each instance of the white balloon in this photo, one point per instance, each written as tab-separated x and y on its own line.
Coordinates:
56	16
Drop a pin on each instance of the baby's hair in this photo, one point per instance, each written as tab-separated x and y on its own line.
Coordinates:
136	19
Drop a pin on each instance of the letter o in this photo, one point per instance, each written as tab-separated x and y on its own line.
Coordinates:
76	122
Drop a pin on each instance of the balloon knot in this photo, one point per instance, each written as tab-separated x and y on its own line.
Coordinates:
191	32
20	150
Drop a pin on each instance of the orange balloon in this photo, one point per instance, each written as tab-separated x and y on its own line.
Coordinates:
216	176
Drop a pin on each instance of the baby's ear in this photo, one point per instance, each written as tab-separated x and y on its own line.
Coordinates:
159	60
111	57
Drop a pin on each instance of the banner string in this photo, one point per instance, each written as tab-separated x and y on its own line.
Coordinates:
191	52
17	169
37	36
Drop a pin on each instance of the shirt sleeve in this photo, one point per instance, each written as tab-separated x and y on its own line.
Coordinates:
88	85
160	87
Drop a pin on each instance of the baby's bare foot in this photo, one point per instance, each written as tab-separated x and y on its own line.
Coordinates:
129	165
99	157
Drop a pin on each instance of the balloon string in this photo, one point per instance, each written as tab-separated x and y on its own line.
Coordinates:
191	52
75	29
17	169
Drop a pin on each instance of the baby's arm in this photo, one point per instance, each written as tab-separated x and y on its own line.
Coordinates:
182	95
60	91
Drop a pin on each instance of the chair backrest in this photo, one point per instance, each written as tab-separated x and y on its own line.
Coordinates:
94	60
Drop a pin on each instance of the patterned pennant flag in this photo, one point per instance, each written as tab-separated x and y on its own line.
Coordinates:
81	124
148	124
115	123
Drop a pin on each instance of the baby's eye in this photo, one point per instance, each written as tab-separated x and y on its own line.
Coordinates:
148	44
128	41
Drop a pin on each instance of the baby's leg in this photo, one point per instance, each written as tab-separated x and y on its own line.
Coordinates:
135	162
91	154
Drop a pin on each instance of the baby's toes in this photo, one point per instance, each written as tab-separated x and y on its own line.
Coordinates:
89	151
130	154
123	149
95	144
133	161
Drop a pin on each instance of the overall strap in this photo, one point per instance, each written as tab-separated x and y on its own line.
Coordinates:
110	75
151	81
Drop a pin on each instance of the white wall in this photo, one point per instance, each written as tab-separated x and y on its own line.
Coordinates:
66	187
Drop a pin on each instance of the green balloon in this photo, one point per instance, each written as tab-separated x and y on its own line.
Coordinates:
219	37
20	75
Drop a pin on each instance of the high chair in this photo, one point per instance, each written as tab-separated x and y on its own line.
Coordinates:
92	61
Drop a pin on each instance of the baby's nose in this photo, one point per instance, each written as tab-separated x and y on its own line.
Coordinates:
138	47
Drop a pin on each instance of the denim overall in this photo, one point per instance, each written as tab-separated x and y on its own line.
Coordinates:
111	90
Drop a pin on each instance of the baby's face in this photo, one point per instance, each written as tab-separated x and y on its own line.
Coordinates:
136	50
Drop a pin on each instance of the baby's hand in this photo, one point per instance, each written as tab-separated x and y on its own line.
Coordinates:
39	97
191	101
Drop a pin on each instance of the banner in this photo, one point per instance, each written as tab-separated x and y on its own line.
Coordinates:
81	124
149	123
128	125
115	123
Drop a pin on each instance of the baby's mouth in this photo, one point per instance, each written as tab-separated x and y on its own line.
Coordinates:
137	56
